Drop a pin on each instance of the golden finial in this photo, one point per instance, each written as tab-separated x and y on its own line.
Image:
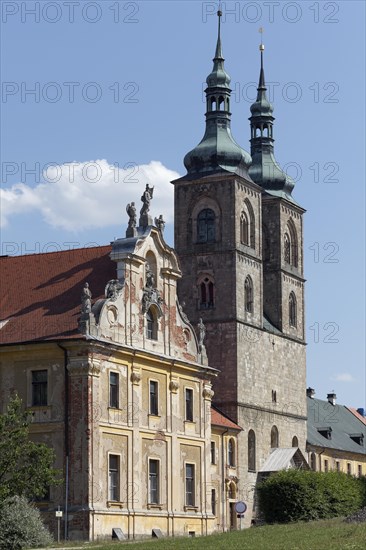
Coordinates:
261	45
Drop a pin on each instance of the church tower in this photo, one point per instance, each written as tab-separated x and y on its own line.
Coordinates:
238	235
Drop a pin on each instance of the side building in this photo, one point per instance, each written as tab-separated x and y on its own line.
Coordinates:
118	384
336	436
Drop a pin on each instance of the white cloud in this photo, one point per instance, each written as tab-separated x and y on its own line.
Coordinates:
344	377
90	194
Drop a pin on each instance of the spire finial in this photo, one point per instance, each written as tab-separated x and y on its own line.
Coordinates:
218	53
261	49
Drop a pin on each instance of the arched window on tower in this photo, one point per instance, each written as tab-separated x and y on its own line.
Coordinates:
292	310
213	104
290	245
248	295
287	248
251	451
221	103
274	437
244	229
295	441
206	293
251	223
206	226
151	325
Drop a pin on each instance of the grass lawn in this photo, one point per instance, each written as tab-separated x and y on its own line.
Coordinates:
317	535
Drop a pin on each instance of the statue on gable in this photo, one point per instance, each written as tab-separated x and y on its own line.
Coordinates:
86	296
201	334
145	218
132	222
151	294
160	223
112	289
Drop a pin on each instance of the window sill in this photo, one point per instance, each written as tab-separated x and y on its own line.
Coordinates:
190	422
251	471
114	504
155	506
152	415
191	508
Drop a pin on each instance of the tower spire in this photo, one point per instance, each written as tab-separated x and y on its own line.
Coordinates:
264	169
217	150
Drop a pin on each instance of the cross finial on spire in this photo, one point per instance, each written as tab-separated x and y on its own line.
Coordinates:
261	49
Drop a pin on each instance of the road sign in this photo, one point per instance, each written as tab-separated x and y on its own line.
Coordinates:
59	513
240	507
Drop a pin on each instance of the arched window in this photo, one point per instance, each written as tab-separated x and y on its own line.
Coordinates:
213	104
151	325
231	452
221	103
295	441
206	294
313	461
292	313
249	239
244	229
287	248
274	437
251	451
248	295
290	245
206	226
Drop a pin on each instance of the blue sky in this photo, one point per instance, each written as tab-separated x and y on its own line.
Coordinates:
117	101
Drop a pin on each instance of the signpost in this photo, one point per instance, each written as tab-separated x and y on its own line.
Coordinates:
59	516
240	508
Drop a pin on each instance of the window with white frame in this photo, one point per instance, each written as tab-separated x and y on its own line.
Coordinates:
113	389
113	477
154	479
190	484
189	404
153	397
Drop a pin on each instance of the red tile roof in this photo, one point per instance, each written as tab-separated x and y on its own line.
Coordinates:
357	414
40	293
220	419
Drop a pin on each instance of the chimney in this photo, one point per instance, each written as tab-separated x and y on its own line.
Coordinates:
332	398
310	392
361	411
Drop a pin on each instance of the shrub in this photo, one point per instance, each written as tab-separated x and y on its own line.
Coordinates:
21	525
295	495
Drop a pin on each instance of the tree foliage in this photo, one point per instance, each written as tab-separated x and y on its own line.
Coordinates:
25	467
294	495
21	525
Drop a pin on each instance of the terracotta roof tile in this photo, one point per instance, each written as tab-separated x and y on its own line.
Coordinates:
220	419
357	414
40	293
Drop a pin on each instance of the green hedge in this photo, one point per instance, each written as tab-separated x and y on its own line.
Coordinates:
295	495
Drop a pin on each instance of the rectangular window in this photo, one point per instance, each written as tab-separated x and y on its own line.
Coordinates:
359	470
213	452
349	468
338	466
113	389
153	482
190	489
213	501
39	387
325	465
153	397
189	405
114	477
